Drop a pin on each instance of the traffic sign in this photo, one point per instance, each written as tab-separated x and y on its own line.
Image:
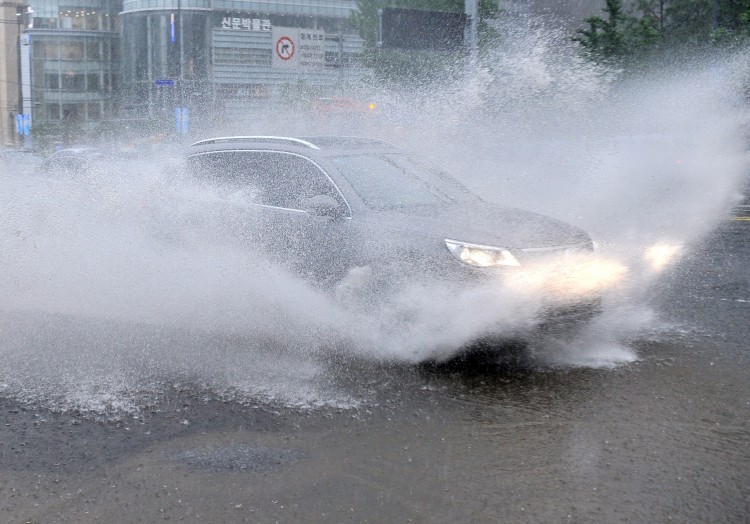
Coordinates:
294	47
23	124
285	48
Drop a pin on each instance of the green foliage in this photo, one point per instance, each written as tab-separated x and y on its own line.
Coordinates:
605	37
688	21
644	32
654	26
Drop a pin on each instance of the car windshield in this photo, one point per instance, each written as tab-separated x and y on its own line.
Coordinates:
389	180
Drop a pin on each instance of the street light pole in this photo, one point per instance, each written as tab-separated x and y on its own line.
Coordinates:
471	8
379	43
715	17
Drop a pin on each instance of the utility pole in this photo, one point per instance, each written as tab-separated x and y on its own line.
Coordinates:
715	17
471	8
661	16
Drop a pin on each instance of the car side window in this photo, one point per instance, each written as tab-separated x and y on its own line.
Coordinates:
272	178
287	180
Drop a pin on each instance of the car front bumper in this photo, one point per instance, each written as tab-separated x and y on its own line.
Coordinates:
569	316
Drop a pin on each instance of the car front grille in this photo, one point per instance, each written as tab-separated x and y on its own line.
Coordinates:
534	254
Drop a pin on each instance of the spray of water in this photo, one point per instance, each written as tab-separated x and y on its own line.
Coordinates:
120	285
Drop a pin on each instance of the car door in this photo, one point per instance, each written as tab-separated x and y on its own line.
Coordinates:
268	197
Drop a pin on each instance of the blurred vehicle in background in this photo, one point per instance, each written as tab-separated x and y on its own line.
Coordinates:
342	113
19	161
72	161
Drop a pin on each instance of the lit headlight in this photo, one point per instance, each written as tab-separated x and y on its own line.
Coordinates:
568	278
662	254
479	255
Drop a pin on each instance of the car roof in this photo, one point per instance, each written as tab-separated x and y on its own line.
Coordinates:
315	145
83	150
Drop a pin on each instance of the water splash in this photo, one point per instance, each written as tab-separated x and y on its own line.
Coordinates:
109	300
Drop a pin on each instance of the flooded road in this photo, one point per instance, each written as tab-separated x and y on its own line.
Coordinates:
664	438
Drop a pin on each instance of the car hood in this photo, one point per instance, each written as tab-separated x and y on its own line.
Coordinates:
482	223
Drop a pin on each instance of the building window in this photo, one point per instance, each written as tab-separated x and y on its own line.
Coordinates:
53	111
92	21
95	111
73	81
115	49
71	51
52	81
93	51
93	83
44	23
73	112
45	49
72	18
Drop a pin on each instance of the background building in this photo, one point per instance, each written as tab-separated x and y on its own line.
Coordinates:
206	55
221	55
74	62
88	61
10	30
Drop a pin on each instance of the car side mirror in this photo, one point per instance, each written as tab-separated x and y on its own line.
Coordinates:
323	206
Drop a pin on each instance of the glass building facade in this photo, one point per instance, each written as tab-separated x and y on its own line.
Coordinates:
218	53
75	60
94	60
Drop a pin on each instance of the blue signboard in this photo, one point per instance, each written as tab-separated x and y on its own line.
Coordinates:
23	124
182	120
160	82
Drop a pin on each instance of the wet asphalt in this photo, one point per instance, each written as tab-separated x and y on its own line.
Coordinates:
665	438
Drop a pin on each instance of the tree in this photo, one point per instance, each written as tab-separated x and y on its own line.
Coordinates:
605	37
644	33
688	22
656	26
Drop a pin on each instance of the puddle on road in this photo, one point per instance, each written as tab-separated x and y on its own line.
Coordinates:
251	459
